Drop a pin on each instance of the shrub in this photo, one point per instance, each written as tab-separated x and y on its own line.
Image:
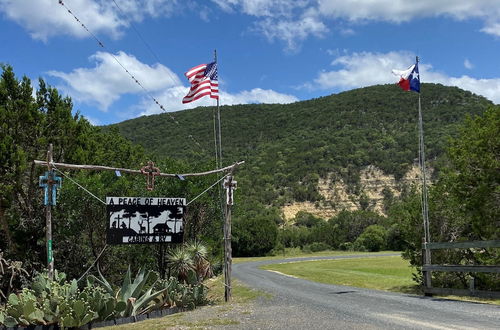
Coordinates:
347	246
317	246
373	238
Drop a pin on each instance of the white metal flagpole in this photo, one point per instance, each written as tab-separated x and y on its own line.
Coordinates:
425	205
218	114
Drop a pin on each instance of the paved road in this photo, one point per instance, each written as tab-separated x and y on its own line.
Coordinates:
302	304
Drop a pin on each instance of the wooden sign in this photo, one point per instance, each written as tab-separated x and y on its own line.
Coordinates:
144	220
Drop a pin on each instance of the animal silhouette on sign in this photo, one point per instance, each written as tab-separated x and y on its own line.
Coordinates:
143	228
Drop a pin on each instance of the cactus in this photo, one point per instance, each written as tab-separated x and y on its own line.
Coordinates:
75	313
106	306
23	309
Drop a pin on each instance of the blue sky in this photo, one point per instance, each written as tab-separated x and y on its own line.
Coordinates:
269	51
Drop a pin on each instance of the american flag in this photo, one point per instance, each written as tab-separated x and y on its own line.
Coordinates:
203	79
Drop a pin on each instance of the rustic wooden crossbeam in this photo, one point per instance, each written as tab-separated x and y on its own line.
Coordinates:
126	170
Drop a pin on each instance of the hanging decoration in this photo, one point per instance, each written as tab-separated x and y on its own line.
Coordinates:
50	182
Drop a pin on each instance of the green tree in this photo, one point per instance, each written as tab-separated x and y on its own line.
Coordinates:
254	236
463	204
372	239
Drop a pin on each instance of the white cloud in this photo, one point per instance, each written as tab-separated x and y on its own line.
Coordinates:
171	99
277	19
285	20
260	8
257	95
47	18
291	32
398	11
107	81
92	120
468	64
365	69
362	69
403	10
492	27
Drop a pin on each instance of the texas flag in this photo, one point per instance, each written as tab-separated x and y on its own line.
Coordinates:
409	79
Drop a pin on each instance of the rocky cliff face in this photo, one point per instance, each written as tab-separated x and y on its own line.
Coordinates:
375	186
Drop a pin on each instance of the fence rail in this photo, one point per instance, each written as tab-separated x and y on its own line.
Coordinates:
464	245
471	291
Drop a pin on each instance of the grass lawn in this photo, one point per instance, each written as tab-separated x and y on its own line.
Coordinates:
297	253
380	273
240	292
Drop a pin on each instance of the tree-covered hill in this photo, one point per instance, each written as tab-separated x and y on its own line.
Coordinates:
287	148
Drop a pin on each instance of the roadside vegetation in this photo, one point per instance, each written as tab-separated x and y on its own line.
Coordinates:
70	303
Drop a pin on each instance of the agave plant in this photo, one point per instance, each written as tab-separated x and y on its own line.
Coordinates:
132	293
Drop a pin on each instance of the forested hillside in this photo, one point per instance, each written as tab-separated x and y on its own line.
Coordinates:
288	148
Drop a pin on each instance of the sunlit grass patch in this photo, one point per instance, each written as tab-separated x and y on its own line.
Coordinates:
297	253
240	292
176	320
380	273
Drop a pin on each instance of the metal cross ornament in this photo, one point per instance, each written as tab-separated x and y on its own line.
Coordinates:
230	185
50	181
150	171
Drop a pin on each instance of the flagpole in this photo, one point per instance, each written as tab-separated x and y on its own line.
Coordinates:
226	211
425	205
218	117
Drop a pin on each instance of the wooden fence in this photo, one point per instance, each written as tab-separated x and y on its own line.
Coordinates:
471	291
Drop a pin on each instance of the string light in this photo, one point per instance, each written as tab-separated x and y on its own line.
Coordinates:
128	72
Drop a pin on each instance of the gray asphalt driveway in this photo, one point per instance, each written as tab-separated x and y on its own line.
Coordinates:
302	304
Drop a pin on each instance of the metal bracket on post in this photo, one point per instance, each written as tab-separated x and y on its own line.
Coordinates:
230	185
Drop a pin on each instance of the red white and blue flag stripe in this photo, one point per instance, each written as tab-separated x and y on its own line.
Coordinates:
409	79
204	82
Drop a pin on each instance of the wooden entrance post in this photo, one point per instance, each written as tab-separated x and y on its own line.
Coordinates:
230	185
48	214
47	182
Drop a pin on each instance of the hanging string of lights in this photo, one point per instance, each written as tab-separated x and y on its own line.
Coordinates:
101	44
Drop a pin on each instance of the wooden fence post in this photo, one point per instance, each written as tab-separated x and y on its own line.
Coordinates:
48	215
230	186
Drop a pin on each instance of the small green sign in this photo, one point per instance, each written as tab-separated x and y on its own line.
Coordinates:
49	251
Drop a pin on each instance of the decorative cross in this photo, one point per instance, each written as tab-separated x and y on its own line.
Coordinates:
230	186
50	181
150	171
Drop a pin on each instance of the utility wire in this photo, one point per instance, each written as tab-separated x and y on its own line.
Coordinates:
79	185
130	74
95	261
141	37
204	191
